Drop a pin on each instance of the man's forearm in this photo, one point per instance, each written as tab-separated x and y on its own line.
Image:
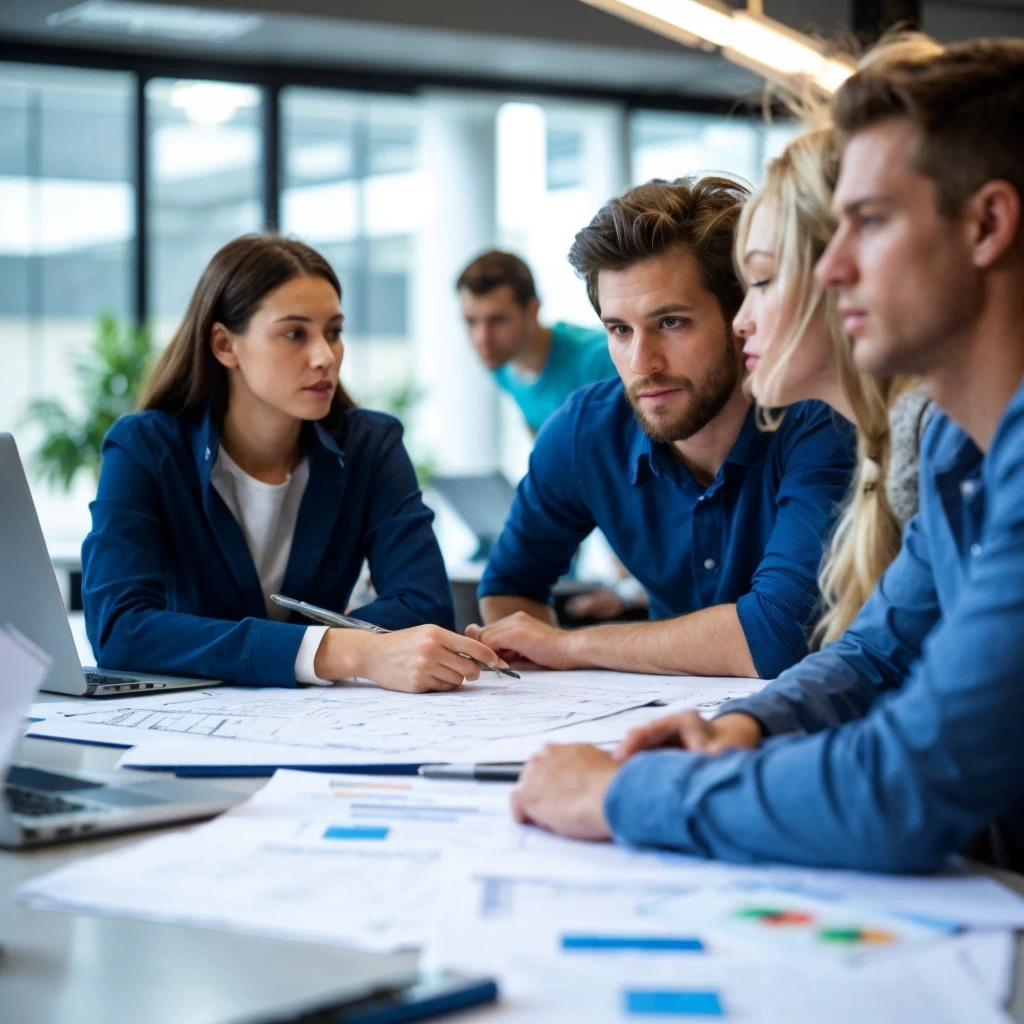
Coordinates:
498	606
710	642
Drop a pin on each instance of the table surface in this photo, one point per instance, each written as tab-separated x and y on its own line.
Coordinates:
58	967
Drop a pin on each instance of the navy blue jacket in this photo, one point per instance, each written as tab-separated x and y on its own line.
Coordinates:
169	584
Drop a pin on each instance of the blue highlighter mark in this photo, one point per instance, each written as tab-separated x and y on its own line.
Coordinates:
337	832
635	943
674	1004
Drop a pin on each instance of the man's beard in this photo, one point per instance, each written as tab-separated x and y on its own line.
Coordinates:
706	401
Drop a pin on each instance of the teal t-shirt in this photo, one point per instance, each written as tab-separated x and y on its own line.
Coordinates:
578	356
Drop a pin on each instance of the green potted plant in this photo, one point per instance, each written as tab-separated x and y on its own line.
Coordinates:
110	377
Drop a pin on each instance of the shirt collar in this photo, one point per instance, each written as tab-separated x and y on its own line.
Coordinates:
751	446
749	449
316	441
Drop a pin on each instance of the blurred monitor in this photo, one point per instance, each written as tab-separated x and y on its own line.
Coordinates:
481	500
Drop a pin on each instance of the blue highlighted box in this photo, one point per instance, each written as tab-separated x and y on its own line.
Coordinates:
674	1004
338	832
634	943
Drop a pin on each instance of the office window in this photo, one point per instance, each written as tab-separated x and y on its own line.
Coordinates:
671	145
558	162
205	149
565	154
352	188
66	231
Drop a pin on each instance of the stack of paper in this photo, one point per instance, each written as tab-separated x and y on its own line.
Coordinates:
586	945
361	724
346	859
360	861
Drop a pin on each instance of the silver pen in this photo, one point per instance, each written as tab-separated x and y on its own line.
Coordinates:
329	618
508	772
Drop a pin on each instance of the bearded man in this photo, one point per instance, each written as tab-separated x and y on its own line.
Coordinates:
721	522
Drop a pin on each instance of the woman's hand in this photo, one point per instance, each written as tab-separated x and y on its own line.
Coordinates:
422	659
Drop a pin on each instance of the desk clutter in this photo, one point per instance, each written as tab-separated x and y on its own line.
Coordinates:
570	930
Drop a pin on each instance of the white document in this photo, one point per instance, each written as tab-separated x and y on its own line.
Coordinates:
991	958
959	893
340	859
676	693
704	695
360	719
23	668
540	927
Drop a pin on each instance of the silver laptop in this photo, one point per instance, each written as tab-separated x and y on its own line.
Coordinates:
30	597
39	805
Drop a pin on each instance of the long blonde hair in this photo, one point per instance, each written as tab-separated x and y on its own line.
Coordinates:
799	184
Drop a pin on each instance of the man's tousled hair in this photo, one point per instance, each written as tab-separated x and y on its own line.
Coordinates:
966	105
698	215
493	269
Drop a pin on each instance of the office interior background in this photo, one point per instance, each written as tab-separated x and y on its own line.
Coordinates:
399	138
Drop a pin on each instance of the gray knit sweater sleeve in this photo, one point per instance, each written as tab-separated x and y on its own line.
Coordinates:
908	417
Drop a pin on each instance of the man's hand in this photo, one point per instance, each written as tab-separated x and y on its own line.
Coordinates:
521	636
562	789
688	730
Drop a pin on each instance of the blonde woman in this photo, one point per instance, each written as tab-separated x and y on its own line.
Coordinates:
796	349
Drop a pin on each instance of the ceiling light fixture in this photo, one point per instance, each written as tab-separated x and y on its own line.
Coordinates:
745	37
185	24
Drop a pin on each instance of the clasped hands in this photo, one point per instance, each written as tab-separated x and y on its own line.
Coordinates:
562	787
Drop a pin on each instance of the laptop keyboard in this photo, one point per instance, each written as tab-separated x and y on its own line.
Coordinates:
34	804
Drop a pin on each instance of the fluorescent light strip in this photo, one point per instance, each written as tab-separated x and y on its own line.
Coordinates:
784	51
768	47
143	19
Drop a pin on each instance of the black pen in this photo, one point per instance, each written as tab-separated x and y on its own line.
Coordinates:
508	772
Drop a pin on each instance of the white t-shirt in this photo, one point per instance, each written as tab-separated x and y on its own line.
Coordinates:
267	514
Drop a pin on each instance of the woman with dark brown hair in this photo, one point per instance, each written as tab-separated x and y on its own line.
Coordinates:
249	470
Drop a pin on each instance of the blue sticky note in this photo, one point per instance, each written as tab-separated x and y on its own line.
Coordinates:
634	943
338	832
674	1003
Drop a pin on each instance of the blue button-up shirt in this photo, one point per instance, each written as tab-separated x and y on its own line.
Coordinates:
926	687
754	536
169	584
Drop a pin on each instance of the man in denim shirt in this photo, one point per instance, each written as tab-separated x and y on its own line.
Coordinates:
901	742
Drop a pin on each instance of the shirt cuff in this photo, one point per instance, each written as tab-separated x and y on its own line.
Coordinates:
655	798
304	660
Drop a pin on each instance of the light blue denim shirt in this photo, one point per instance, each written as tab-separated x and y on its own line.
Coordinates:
895	745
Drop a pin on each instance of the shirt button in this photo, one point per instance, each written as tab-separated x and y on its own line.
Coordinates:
967	488
709	564
975	550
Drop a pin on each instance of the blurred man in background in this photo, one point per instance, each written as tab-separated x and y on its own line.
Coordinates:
540	367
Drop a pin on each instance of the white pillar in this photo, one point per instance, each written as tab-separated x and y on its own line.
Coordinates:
606	133
457	419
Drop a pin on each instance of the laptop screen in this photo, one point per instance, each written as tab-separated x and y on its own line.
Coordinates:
23	668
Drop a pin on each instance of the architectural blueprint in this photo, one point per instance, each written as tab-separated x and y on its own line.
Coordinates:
360	718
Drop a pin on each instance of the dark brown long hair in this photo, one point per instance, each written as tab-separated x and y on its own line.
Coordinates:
230	290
